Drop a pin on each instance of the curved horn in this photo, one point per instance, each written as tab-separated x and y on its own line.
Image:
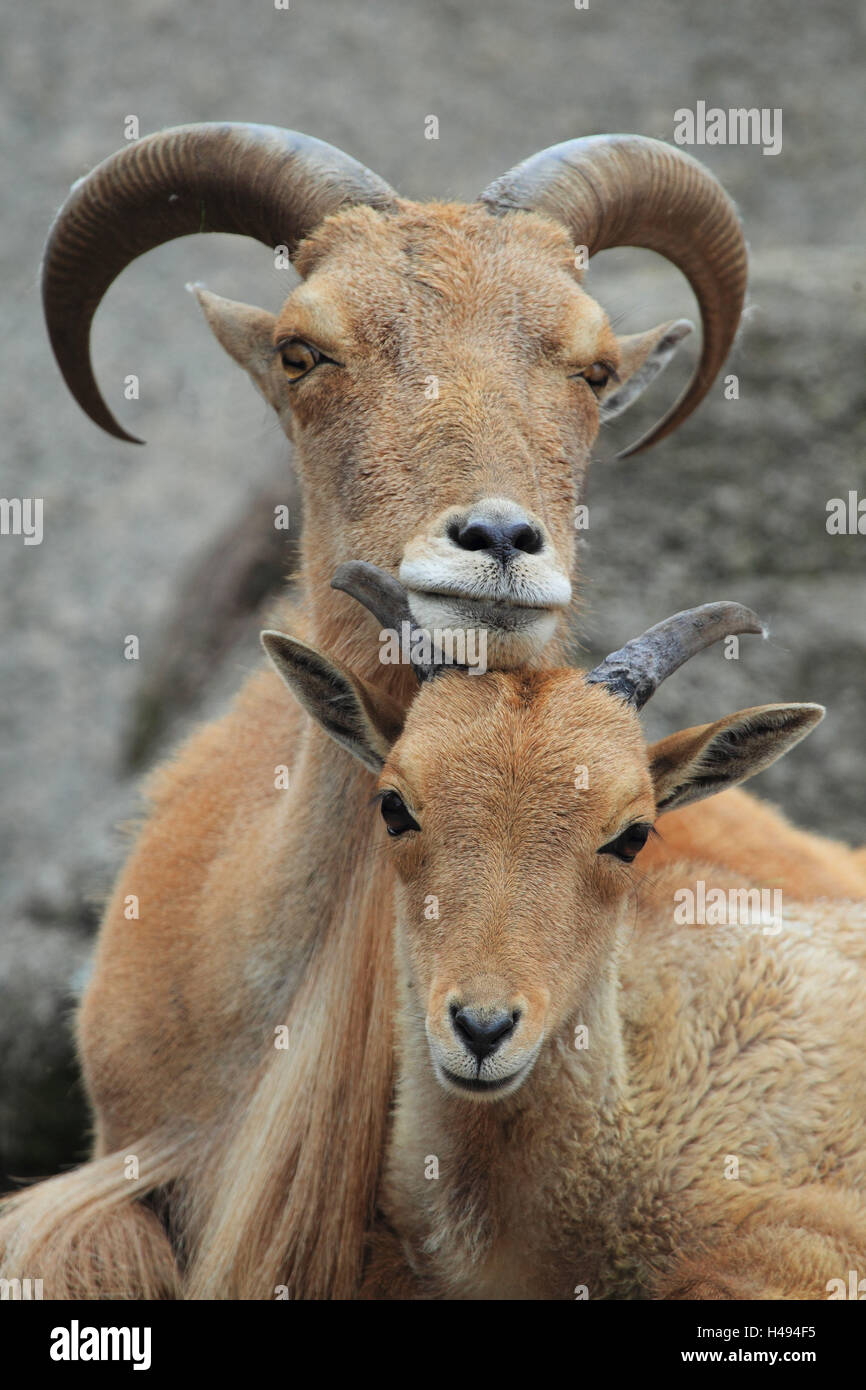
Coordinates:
628	190
259	181
379	592
637	669
388	601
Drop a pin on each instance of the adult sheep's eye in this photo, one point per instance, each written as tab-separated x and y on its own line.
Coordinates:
629	843
299	357
598	375
396	816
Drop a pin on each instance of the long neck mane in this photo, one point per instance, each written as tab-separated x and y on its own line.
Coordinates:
289	1188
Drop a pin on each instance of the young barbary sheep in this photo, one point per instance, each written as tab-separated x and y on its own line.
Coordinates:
592	1101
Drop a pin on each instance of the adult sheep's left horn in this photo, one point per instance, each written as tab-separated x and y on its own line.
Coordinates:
638	669
255	180
628	190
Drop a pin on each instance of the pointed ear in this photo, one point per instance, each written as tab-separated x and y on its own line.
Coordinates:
642	357
359	718
702	761
247	335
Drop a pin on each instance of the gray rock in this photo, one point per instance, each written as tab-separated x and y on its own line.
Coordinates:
733	506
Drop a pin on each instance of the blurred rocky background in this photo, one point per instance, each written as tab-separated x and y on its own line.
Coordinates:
174	542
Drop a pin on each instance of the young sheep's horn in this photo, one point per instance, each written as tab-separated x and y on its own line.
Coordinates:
637	669
629	190
384	596
256	180
379	592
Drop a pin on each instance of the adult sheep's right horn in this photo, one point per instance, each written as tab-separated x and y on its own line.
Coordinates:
628	190
256	180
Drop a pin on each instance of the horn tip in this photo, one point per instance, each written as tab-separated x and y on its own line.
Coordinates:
351	571
344	574
639	445
754	625
729	611
118	432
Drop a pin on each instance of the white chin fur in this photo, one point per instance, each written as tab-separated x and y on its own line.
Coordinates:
437	567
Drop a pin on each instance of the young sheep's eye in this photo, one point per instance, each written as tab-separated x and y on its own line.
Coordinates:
299	357
598	375
629	843
395	815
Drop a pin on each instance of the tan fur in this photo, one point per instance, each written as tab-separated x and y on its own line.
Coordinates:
262	907
739	832
258	907
606	1167
84	1234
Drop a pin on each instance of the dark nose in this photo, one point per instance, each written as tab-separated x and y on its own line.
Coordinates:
481	1035
502	538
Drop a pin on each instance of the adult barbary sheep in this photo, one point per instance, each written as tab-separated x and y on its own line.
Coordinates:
591	1100
260	906
468	489
253	912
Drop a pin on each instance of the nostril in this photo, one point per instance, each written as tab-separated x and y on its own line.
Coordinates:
477	535
527	538
480	1034
502	538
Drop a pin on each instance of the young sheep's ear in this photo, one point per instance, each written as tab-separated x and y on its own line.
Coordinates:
699	762
247	334
642	357
359	718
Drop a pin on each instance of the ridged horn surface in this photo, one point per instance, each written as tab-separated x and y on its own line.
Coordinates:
636	671
255	180
629	190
